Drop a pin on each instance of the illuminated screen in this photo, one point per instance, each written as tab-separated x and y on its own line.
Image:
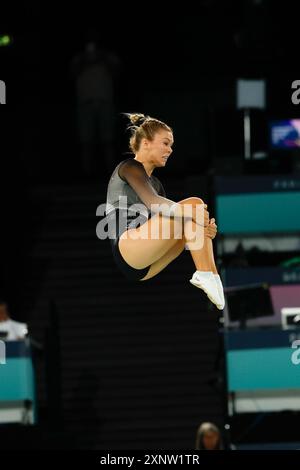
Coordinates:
285	134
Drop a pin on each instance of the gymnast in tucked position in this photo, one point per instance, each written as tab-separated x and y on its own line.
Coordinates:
146	240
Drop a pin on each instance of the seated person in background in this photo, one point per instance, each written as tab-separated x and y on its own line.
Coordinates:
209	437
10	330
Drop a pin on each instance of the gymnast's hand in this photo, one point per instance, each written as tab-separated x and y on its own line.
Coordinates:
211	229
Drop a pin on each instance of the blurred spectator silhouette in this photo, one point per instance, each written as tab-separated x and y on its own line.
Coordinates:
239	259
209	437
10	330
95	70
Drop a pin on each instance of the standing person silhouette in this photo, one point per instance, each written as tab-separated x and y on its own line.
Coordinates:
140	246
94	71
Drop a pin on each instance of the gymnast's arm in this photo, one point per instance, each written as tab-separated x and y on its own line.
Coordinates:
134	173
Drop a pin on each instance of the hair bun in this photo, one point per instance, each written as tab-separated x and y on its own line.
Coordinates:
137	119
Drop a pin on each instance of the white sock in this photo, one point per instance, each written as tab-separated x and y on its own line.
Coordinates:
220	289
205	280
206	274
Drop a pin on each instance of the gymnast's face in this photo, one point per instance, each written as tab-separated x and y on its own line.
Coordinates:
159	149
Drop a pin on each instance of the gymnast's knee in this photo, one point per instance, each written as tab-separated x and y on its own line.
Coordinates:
194	200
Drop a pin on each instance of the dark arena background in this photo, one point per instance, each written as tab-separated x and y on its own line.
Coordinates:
112	364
